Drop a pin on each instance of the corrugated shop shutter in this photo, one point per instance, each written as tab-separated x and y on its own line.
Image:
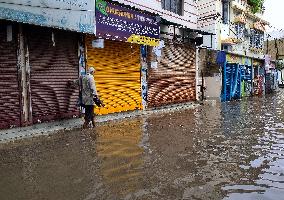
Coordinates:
10	112
174	79
53	60
117	75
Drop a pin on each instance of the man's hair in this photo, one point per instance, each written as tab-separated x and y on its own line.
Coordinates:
91	69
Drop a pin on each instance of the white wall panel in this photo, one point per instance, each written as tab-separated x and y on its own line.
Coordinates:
71	15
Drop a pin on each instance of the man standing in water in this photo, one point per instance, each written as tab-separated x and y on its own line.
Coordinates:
89	94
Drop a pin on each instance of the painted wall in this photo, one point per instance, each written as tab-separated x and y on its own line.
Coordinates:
74	15
272	50
213	86
208	21
210	70
188	19
243	48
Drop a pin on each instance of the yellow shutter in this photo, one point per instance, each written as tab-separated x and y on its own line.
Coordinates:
117	75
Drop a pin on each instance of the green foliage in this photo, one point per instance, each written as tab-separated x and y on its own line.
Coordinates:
256	5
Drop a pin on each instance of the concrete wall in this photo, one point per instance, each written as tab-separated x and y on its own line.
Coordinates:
213	86
211	73
272	48
243	48
188	19
74	15
208	21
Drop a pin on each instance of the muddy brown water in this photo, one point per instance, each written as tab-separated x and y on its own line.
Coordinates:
230	151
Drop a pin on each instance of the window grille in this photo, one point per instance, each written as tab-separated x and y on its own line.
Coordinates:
240	30
174	6
225	11
256	39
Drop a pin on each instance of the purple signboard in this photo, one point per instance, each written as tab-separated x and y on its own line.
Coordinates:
118	23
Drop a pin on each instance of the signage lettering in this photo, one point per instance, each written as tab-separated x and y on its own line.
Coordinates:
119	23
143	40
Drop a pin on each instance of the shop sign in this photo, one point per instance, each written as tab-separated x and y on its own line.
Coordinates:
71	15
234	59
238	59
118	23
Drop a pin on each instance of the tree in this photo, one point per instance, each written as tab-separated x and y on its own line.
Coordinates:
256	5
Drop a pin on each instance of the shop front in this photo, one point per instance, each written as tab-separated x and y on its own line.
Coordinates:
237	77
171	79
53	62
172	69
37	64
271	75
115	52
10	102
259	77
39	59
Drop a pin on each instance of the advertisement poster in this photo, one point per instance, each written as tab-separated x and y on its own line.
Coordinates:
115	22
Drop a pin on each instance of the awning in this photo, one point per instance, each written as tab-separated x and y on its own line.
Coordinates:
259	26
188	30
228	41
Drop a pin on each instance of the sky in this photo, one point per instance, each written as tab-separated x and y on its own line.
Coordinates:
274	13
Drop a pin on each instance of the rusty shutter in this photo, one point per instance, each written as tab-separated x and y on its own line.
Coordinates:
174	79
10	112
117	75
53	61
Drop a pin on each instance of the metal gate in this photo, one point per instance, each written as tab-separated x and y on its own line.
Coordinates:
10	109
54	62
237	81
173	81
117	75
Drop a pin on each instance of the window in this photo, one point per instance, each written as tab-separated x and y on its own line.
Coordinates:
225	11
240	30
226	47
256	39
174	6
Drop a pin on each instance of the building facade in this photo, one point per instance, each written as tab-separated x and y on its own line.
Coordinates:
238	34
148	63
41	54
144	53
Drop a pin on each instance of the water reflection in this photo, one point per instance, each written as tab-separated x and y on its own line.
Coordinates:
263	172
228	151
51	168
121	157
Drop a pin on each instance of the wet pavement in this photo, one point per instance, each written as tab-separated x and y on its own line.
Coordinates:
230	151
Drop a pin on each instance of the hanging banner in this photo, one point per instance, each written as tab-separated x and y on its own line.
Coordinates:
118	23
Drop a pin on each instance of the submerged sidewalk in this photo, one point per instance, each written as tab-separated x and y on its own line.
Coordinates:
9	135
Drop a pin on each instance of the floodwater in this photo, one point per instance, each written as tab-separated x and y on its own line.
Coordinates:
230	151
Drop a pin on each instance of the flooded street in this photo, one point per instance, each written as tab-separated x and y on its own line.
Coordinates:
230	151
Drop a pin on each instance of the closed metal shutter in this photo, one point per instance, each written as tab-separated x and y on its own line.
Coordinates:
117	75
10	112
174	79
53	60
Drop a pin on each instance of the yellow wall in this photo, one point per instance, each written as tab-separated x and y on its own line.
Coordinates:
117	75
231	58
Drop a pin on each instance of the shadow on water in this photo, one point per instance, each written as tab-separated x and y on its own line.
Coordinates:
225	151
